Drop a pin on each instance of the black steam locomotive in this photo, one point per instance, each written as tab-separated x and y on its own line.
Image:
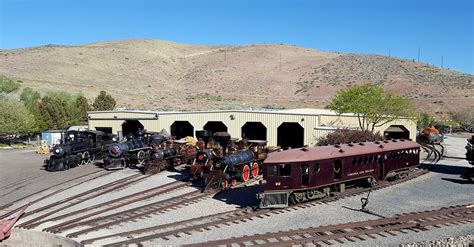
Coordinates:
470	150
134	152
78	148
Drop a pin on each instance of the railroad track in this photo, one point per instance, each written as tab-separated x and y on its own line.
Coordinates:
206	223
140	212
351	232
434	155
97	174
109	205
79	198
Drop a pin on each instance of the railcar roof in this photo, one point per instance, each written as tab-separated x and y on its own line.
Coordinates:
338	151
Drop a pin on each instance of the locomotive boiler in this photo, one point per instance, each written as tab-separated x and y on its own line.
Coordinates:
78	148
303	174
169	154
133	152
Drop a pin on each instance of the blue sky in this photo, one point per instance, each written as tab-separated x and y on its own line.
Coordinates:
438	27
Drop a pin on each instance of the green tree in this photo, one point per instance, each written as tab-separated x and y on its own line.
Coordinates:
81	108
372	105
55	111
104	102
423	121
15	118
31	99
7	85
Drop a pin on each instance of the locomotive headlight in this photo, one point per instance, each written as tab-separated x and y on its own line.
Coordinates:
57	150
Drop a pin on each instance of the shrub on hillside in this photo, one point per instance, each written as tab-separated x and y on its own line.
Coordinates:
348	136
7	85
465	118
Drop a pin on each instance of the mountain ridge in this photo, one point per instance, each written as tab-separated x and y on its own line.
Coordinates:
164	75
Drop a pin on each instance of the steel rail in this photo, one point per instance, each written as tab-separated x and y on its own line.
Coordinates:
82	197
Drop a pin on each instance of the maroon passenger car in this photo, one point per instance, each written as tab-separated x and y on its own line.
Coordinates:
303	174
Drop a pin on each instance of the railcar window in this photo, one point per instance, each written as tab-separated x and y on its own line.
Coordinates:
359	161
366	159
285	170
272	170
371	159
354	161
316	168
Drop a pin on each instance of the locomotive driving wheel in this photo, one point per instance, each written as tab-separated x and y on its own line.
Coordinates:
87	158
78	160
255	169
141	157
245	173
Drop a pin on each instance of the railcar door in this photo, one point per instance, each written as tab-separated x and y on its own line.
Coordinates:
304	175
337	169
381	167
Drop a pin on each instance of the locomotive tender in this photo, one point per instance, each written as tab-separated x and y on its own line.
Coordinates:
78	148
298	175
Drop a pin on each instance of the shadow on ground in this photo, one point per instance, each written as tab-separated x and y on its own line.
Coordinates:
243	197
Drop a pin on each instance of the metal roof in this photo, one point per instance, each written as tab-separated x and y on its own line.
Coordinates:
335	151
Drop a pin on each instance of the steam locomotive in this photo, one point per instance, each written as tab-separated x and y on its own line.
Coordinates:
470	150
303	174
169	154
78	148
223	164
134	152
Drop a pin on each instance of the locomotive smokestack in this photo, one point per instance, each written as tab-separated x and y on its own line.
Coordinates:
223	138
205	135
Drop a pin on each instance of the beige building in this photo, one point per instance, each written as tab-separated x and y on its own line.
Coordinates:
286	128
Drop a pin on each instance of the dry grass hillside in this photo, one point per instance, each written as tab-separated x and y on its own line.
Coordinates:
153	74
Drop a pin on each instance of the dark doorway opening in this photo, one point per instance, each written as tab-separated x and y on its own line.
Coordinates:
290	135
215	126
180	129
104	129
396	132
254	131
131	127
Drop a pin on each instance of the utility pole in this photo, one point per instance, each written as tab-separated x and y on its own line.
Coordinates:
441	61
419	50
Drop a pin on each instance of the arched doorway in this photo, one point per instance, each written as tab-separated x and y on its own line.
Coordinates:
131	127
254	131
396	132
290	134
180	129
215	126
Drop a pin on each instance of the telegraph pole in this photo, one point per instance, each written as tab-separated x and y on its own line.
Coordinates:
441	61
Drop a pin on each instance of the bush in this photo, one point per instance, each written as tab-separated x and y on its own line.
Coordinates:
348	136
7	85
465	118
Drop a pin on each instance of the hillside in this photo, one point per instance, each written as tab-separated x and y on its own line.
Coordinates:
153	74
